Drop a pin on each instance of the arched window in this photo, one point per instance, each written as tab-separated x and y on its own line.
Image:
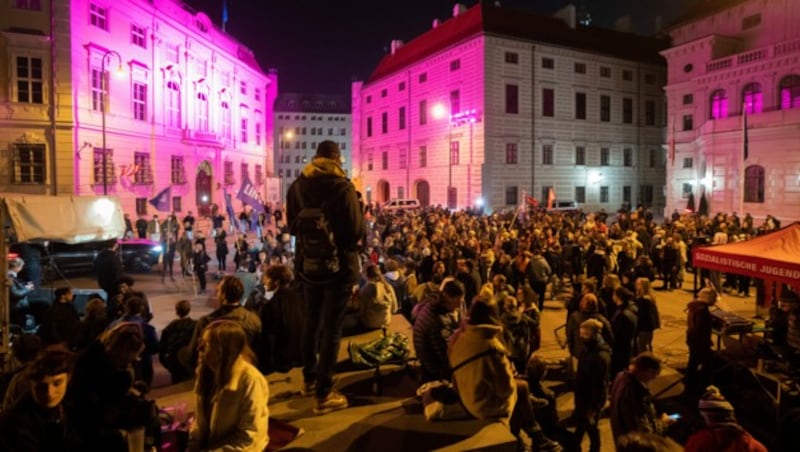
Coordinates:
719	104
225	117
202	111
173	104
789	90
754	184
752	98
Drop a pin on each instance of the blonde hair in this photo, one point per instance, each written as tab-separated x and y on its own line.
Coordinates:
229	342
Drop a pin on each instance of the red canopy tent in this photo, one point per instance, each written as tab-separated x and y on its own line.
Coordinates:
774	257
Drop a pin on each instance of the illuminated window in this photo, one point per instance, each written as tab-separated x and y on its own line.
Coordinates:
202	111
138	36
145	174
173	104
97	162
29	80
719	104
789	89
98	97
27	163
139	101
752	98
98	16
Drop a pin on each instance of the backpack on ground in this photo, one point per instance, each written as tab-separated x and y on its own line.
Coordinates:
315	245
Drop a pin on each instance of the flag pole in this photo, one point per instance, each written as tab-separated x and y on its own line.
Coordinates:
744	153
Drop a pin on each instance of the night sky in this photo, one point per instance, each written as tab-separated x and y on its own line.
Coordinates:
320	46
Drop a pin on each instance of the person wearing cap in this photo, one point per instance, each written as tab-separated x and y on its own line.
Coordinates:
698	338
722	432
323	183
591	381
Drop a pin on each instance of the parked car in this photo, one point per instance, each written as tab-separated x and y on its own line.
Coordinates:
394	205
50	260
564	206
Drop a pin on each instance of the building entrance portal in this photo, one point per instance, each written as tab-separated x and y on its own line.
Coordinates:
202	187
423	190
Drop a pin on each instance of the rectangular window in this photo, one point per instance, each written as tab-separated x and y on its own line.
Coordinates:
178	171
173	56
384	122
225	121
646	194
455	65
605	72
108	171
177	205
228	173
30	5
688	99
547	154
605	108
548	63
257	93
384	92
243	87
423	156
173	102
688	162
580	105
369	126
454	148
626	193
384	160
27	164
580	194
651	161
627	157
512	58
627	110
580	68
627	75
548	102
243	129
139	36
30	80
580	155
245	171
455	102
145	174
401	86
98	16
423	112
259	175
141	206
649	112
402	158
258	134
686	190
401	119
751	21
688	122
369	99
604	194
650	79
512	99
98	93
423	77
343	131
605	156
511	154
140	102
512	196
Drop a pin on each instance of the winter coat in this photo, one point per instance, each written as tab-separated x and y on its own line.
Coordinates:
648	319
62	324
723	438
591	377
433	327
519	335
632	408
376	302
624	326
237	416
573	330
486	384
698	326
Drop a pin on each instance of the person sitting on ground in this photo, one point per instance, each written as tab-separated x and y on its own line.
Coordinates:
39	420
94	321
62	323
229	293
282	315
437	317
25	349
484	376
231	394
519	332
134	313
722	432
175	340
376	300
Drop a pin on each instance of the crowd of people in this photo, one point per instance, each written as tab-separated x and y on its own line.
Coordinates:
472	285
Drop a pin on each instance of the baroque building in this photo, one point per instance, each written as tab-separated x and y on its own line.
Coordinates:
734	107
494	105
301	122
129	98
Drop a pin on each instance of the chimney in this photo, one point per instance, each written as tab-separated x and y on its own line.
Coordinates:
395	45
435	23
459	8
567	14
623	24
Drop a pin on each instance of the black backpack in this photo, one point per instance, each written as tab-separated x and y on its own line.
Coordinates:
316	248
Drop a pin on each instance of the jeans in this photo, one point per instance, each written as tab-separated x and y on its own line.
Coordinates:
588	424
322	332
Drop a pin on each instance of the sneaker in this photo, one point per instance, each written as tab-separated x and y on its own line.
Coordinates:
537	403
332	402
309	388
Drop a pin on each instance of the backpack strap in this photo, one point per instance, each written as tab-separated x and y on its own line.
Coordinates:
490	351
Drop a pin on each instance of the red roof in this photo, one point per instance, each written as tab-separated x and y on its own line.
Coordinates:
494	20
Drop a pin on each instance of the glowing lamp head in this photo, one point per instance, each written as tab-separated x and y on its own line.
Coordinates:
479	202
288	135
204	198
438	111
120	72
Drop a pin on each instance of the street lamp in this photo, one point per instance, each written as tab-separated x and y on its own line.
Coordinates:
104	94
439	111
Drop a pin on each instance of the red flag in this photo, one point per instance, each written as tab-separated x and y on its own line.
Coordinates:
532	201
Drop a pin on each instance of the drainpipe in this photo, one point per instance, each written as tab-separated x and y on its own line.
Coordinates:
51	109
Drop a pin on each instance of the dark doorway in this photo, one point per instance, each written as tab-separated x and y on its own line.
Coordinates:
423	190
203	189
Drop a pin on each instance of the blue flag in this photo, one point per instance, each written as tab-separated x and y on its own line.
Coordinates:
229	208
162	200
248	194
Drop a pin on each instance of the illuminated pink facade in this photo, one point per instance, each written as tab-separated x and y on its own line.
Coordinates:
493	105
177	102
731	66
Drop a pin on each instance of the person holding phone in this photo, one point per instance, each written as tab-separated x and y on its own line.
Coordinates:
632	408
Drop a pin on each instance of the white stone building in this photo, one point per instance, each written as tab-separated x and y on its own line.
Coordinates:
730	63
493	104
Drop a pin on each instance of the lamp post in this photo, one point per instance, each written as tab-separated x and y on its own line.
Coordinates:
104	94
